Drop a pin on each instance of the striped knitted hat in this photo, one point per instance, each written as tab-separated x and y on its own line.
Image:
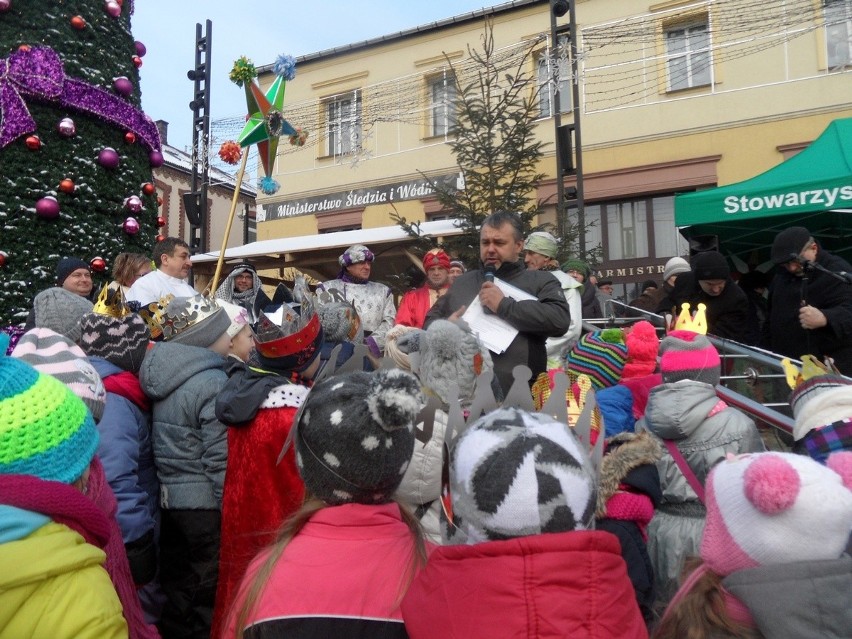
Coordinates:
122	341
688	355
600	355
55	355
47	432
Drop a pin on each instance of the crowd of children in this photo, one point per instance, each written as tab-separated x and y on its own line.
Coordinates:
257	473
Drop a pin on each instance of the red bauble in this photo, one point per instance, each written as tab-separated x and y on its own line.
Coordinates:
67	186
130	137
137	61
78	23
148	189
159	201
160	237
33	142
230	152
98	264
4	258
24	48
161	221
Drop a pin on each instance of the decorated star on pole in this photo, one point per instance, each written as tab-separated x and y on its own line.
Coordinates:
265	123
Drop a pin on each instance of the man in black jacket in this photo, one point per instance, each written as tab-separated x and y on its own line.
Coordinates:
810	312
501	243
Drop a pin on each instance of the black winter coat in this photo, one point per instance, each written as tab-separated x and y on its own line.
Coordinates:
782	331
727	313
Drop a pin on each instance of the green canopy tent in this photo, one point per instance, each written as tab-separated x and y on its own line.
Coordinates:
812	189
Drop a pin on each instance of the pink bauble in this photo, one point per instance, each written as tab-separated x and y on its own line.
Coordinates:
122	86
133	204
112	8
140	49
108	158
5	5
156	159
66	127
47	208
131	226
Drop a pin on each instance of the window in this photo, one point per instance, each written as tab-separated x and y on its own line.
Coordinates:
688	56
838	32
551	73
442	105
251	229
667	239
627	228
343	124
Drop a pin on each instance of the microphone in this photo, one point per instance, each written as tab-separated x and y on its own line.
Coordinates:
489	272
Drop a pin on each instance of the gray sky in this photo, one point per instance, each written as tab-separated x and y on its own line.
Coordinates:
261	31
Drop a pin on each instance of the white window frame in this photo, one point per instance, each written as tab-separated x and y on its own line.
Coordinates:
694	58
548	74
838	33
443	114
343	124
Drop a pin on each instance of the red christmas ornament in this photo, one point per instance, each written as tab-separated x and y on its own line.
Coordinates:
98	264
67	186
4	258
130	137
161	221
24	48
78	23
148	189
230	152
159	201
137	61
33	142
160	237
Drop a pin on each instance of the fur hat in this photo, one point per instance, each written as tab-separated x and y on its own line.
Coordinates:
60	311
451	356
710	265
47	430
194	321
625	453
688	355
788	243
340	322
55	355
436	257
543	243
600	355
643	346
113	332
68	265
355	435
776	508
514	474
675	266
355	254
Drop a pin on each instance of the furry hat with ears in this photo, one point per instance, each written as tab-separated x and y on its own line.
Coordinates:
451	356
625	453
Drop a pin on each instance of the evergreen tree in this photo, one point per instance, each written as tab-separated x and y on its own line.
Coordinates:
70	91
495	146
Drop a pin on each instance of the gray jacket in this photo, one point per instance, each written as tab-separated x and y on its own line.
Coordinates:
190	444
802	599
679	412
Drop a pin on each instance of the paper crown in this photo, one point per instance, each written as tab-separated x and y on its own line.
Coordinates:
111	302
280	329
542	391
164	324
696	322
154	316
811	367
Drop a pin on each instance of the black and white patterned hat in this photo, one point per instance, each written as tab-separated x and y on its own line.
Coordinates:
515	473
355	435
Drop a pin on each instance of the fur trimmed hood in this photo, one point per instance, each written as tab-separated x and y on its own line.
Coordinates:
627	453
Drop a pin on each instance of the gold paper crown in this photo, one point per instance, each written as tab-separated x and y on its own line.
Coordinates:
697	322
811	367
111	302
193	311
154	316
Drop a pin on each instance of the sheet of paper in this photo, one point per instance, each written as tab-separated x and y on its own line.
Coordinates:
495	334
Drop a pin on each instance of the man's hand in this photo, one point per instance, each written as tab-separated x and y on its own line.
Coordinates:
490	296
457	315
810	318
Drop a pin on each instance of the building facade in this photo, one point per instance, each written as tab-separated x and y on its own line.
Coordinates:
674	96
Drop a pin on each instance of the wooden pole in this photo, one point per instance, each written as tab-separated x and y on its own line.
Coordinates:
215	281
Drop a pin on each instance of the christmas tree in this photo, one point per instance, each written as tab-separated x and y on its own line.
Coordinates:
76	150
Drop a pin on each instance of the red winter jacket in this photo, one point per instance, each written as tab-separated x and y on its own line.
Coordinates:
546	586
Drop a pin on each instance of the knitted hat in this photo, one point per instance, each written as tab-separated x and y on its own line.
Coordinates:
577	265
643	345
355	435
451	357
194	321
237	315
436	257
776	508
55	355
113	332
458	264
688	355
789	243
514	474
355	254
710	265
675	266
543	243
648	284
820	400
60	311
600	355
47	431
68	265
340	322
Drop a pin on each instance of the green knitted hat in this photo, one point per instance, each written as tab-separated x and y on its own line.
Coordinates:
45	430
577	265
